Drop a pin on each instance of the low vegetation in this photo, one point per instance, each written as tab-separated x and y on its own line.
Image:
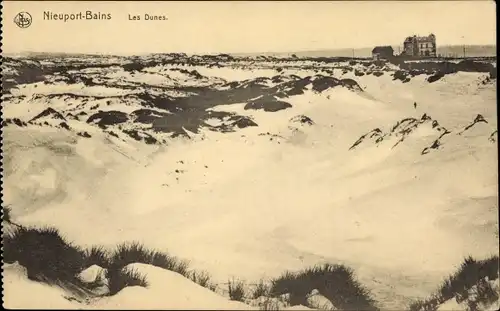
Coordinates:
236	290
44	253
49	257
472	273
203	279
336	282
121	278
96	255
261	289
6	211
134	252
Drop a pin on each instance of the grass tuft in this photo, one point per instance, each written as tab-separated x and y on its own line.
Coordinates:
335	282
49	258
121	278
236	290
261	289
471	273
201	278
468	275
430	304
135	252
44	253
6	214
96	255
181	267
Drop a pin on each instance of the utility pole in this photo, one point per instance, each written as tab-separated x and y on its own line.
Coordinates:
464	45
352	53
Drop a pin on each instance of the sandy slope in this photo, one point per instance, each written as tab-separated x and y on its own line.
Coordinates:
245	206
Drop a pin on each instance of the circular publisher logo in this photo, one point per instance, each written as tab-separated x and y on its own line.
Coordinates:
23	19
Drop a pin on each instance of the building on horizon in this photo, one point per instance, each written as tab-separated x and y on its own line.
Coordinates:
382	52
417	46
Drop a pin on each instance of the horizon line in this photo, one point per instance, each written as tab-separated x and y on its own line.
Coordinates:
231	53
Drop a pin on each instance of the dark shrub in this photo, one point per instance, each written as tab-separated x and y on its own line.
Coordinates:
486	294
121	278
84	134
400	75
146	115
128	253
470	65
96	255
324	83
351	84
44	253
135	252
6	214
111	117
431	304
468	275
261	289
435	77
471	272
415	72
49	112
236	290
268	104
358	73
133	67
302	119
64	125
201	278
243	122
335	282
493	72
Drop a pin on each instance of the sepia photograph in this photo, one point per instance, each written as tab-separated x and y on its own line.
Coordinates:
250	155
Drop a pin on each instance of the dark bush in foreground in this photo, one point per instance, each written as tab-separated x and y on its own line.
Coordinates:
121	278
96	255
471	272
134	252
468	275
236	290
49	258
44	253
335	282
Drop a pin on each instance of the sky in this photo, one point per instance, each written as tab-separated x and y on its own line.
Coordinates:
244	26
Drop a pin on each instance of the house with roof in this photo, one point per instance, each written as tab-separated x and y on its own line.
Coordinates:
417	46
382	52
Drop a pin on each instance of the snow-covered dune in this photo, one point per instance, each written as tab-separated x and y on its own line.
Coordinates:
287	193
